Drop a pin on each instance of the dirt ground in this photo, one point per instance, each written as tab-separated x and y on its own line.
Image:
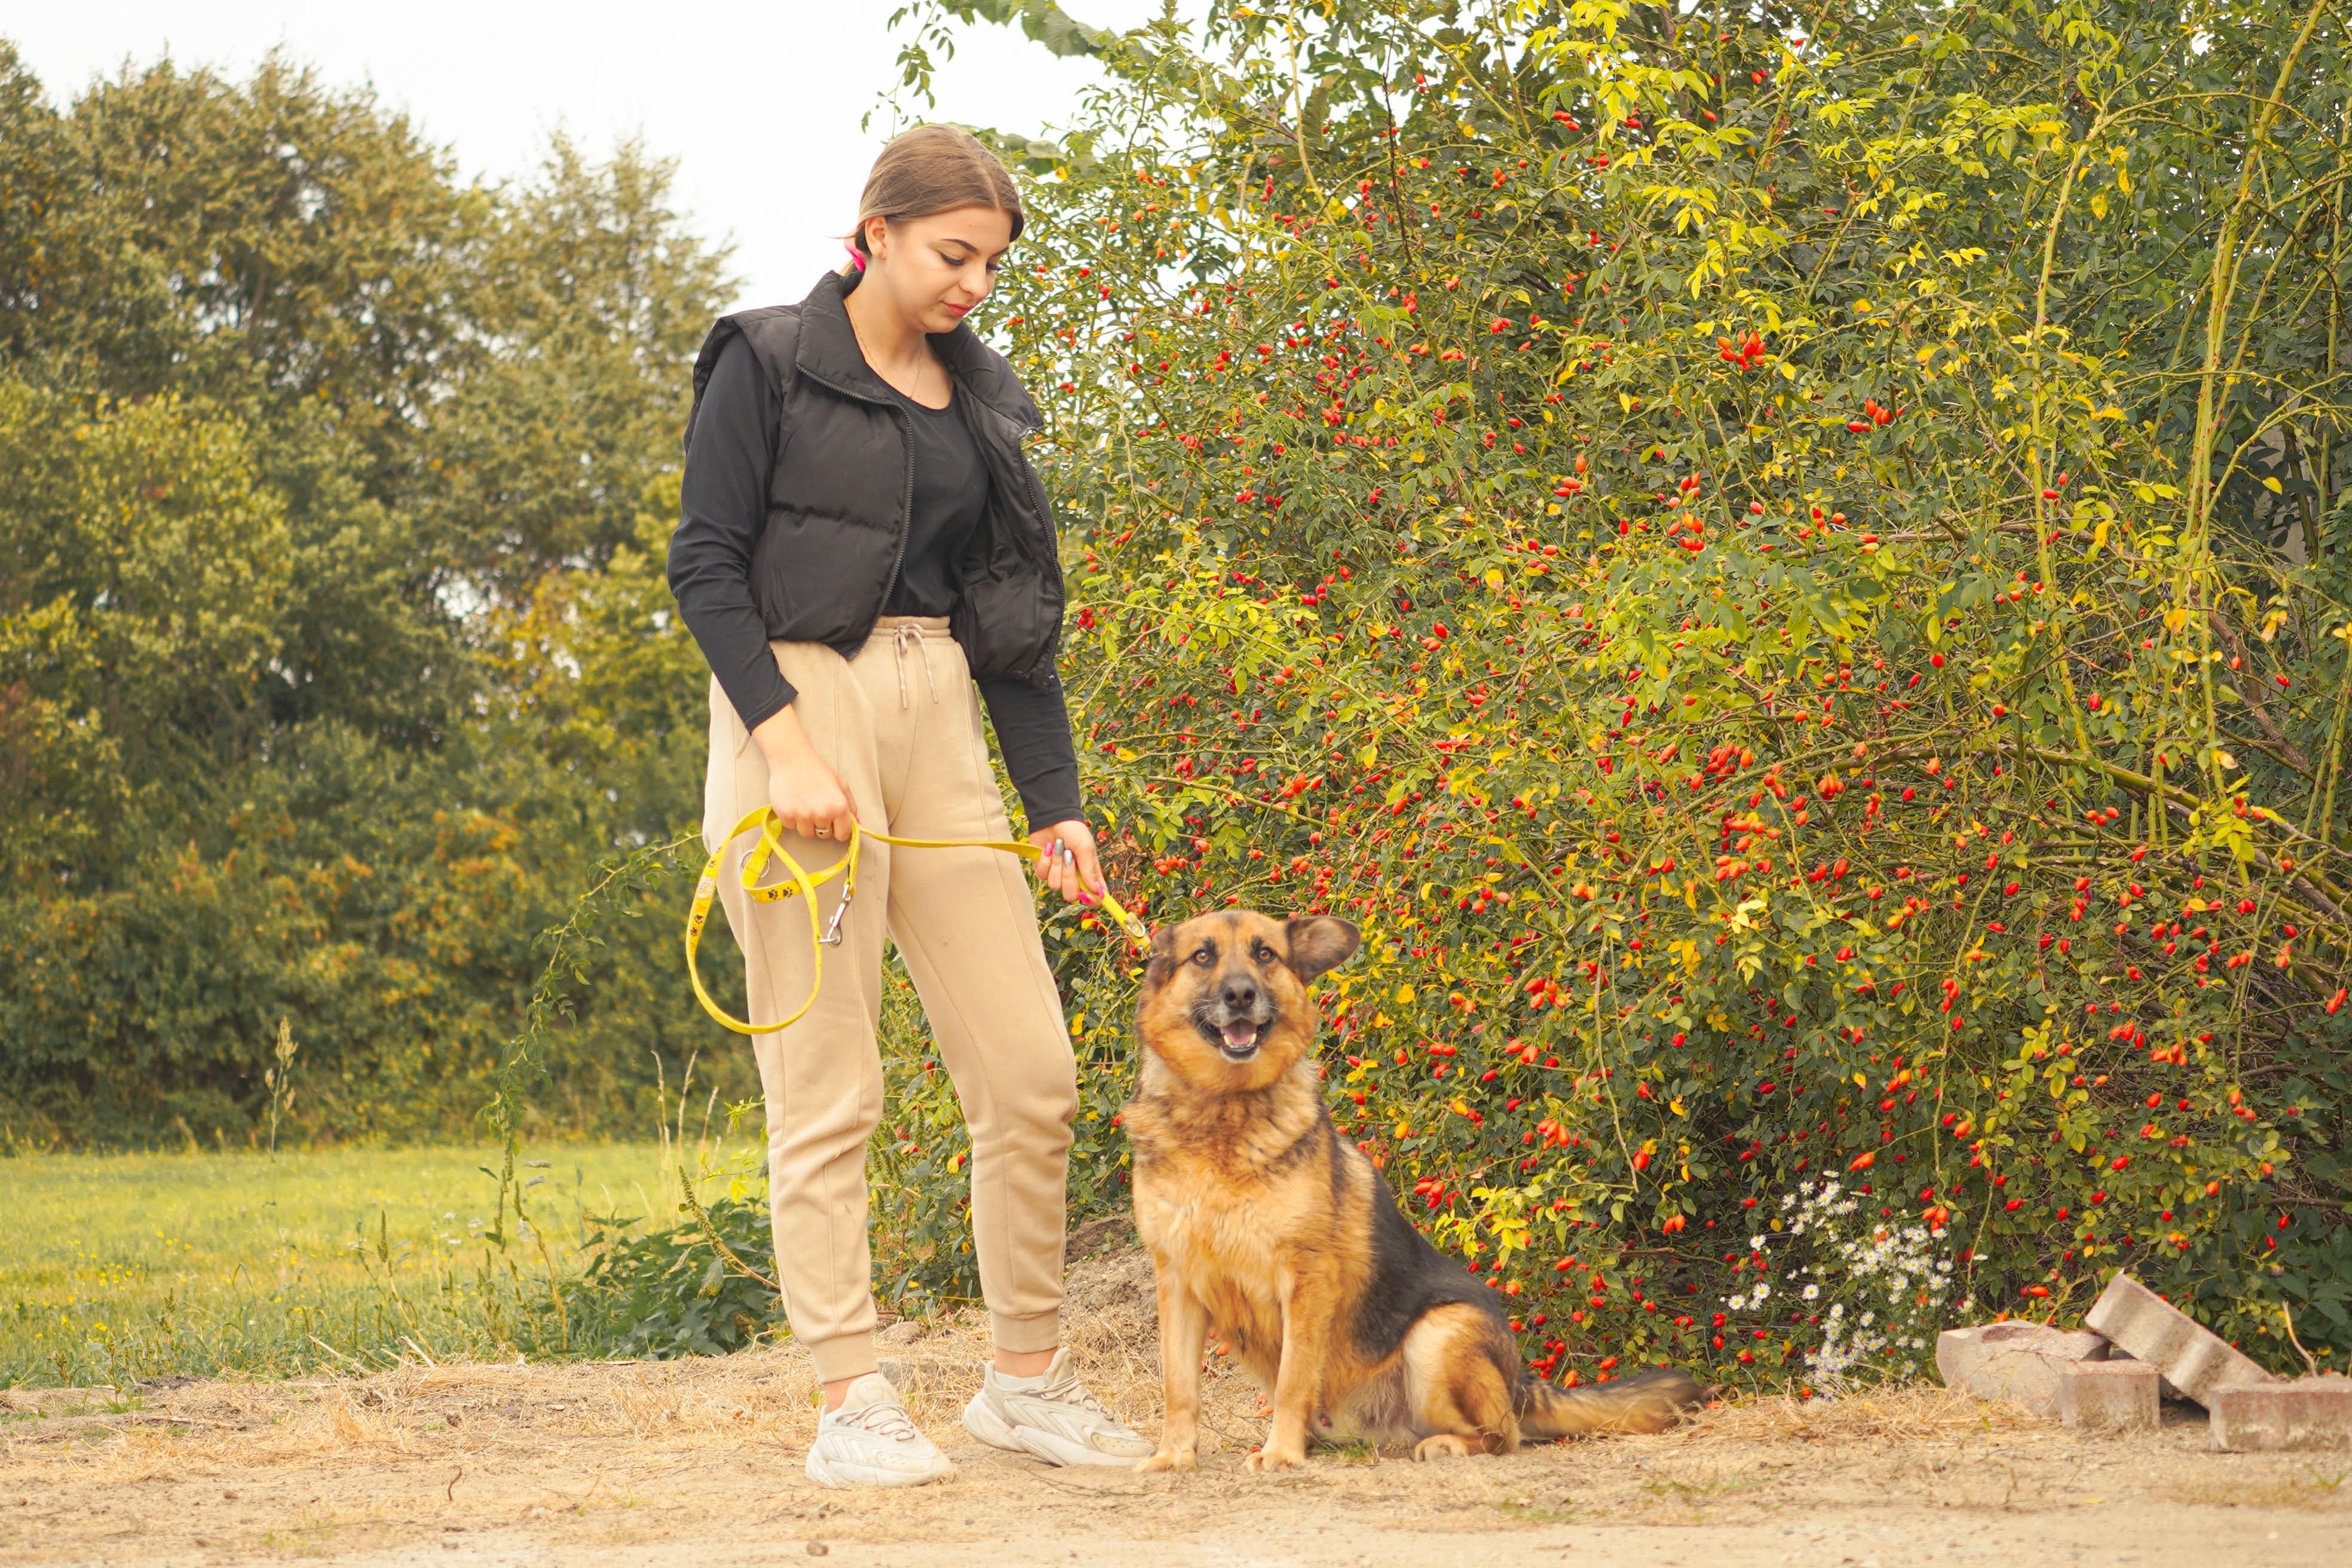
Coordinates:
690	1464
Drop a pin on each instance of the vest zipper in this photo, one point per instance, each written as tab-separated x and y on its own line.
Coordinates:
905	501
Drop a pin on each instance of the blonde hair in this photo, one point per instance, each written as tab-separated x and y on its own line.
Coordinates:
933	169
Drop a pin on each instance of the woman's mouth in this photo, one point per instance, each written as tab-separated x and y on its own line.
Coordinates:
954	309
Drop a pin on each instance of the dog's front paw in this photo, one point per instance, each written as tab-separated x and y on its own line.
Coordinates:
1271	1457
1168	1459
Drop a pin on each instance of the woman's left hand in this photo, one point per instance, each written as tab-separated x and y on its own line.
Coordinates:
1068	862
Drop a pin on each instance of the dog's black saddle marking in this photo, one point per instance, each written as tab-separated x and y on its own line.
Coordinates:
1409	1278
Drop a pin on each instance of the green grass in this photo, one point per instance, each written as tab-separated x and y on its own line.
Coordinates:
122	1267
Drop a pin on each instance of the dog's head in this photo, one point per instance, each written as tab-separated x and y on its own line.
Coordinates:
1224	995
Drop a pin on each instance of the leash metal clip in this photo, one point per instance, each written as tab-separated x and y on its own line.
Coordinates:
832	937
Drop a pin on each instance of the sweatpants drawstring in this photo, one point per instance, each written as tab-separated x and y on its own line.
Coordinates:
900	635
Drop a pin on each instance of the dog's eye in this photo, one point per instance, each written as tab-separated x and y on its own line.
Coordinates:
1204	956
1263	953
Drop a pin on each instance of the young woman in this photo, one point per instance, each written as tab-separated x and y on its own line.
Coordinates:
862	543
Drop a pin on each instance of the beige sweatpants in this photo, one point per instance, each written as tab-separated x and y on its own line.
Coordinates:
900	724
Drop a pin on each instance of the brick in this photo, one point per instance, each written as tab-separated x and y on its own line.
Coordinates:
2163	1385
2304	1413
2014	1361
2192	1357
2115	1395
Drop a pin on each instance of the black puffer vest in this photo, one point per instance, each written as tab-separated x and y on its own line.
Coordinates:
843	479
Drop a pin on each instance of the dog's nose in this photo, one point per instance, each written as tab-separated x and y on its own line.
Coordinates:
1239	993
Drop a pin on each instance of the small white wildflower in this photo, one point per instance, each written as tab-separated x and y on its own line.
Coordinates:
1812	1292
1737	1303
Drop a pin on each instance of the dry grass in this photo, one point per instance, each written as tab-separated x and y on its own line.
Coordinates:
486	1411
489	1410
629	1463
2312	1482
1906	1415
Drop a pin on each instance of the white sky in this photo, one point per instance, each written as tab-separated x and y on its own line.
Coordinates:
759	103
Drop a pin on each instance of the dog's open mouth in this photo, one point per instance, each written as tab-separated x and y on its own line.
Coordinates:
1237	1040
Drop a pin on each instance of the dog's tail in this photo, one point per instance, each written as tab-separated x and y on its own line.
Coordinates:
1651	1401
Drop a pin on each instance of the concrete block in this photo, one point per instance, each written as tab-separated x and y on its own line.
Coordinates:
2014	1361
2303	1412
2163	1385
2192	1357
2113	1396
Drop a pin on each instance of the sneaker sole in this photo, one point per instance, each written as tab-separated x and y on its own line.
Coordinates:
828	1473
1055	1449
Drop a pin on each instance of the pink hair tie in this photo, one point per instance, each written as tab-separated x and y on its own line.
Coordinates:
856	256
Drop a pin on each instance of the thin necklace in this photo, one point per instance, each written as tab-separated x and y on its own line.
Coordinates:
911	397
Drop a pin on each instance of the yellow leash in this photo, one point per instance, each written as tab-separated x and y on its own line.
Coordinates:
822	935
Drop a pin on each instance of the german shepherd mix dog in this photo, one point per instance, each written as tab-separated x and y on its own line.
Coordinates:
1262	1221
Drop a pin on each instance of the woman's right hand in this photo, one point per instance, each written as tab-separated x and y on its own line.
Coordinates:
803	791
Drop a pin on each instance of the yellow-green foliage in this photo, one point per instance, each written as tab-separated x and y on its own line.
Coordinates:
1793	580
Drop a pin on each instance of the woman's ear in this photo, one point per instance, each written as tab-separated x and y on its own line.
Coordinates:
1319	942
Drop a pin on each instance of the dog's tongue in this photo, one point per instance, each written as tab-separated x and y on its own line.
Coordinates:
1240	1035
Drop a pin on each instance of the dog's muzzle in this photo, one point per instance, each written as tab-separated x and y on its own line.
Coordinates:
1236	1029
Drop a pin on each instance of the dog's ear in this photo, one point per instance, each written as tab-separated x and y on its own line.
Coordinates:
1319	942
1162	961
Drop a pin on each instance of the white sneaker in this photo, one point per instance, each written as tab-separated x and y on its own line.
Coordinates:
871	1441
1052	1417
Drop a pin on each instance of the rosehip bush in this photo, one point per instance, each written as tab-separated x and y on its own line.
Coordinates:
1793	583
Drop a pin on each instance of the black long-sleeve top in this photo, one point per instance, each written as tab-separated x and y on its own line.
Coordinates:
723	508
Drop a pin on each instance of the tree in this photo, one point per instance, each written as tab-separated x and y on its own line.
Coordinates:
303	436
590	301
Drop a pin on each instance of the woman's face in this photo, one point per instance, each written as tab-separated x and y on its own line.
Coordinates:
936	268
